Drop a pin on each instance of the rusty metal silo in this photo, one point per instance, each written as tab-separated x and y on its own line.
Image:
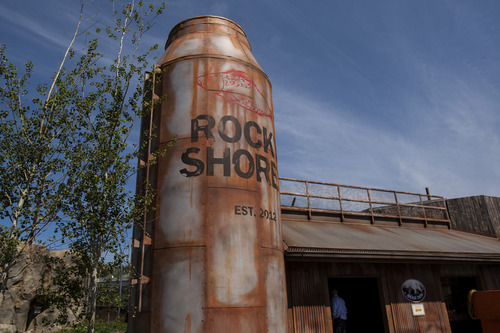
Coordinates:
215	261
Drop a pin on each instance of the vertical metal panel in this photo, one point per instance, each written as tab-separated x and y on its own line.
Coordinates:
308	298
218	252
173	266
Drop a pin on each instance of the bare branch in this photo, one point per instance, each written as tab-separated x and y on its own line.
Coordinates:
49	94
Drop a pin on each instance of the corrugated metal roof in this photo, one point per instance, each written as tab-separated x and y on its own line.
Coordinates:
342	240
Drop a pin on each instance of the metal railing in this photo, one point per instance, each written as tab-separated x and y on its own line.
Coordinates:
355	201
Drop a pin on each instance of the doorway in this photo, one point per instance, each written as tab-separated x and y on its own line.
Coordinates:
363	302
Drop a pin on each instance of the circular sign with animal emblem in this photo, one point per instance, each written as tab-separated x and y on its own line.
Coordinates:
413	290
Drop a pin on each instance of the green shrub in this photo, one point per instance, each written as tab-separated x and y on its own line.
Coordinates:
100	327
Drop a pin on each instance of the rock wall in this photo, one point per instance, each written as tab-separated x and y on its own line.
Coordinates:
20	304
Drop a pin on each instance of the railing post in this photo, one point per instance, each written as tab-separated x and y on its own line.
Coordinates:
423	207
341	206
400	222
309	213
371	207
446	213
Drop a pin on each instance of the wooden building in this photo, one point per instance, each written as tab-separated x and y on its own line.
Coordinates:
368	243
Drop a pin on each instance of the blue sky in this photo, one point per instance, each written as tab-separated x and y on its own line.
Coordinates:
397	94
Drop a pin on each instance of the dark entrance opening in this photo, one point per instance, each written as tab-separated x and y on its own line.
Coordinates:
364	306
455	293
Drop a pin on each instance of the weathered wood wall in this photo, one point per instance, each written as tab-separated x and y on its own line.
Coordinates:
479	214
309	309
490	277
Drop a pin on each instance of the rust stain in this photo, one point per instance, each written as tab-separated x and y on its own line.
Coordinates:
190	252
187	323
190	192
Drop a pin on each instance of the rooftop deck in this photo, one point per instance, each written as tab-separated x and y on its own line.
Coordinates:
345	203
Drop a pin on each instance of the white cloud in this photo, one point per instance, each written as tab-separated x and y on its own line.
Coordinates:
320	141
45	30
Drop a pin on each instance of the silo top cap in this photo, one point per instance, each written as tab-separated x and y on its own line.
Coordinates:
209	23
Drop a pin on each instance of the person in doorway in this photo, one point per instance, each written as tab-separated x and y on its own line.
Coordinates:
339	312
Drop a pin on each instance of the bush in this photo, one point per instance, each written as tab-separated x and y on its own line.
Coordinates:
100	327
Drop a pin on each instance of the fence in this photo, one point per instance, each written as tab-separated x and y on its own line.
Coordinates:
354	201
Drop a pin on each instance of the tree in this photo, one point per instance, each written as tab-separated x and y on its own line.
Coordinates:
112	292
35	133
66	154
33	138
8	252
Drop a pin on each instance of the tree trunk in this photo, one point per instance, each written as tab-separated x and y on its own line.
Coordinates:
3	285
92	299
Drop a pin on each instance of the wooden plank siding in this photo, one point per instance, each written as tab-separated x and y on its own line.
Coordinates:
309	309
404	321
490	277
493	206
478	214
